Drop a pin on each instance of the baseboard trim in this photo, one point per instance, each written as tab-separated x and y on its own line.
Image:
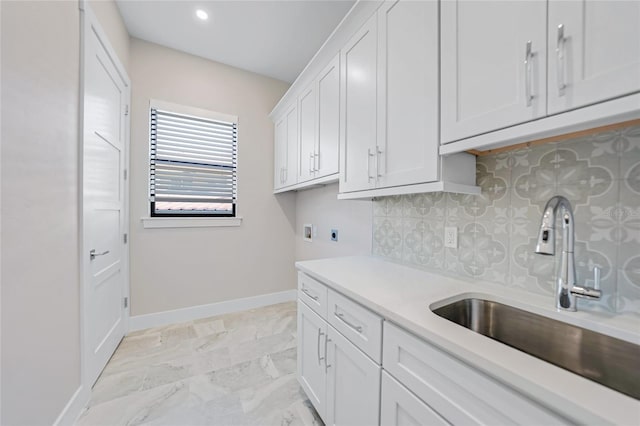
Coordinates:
141	322
74	408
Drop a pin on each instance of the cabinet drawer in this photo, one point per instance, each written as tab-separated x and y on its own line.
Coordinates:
361	326
459	393
400	407
313	293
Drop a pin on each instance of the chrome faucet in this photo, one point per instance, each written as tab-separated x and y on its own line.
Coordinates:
566	289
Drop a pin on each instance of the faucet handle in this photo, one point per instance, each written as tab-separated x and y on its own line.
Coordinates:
594	292
596	278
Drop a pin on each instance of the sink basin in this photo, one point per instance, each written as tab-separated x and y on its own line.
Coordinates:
611	362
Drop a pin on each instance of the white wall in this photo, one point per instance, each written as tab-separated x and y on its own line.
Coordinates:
183	267
40	284
352	218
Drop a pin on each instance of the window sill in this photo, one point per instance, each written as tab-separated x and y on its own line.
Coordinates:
189	222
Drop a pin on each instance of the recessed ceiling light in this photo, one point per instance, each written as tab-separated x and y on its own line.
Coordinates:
202	14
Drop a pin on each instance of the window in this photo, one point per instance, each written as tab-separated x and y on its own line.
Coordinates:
193	162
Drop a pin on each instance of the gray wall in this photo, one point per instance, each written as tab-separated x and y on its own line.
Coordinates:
321	208
183	267
599	174
40	283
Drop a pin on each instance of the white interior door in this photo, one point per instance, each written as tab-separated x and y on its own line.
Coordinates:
106	96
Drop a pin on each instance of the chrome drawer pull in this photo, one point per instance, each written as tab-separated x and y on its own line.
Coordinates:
340	316
560	54
527	74
305	291
326	343
320	333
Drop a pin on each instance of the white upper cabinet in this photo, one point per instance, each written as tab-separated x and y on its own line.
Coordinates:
358	60
308	140
390	108
493	65
407	150
286	149
594	52
320	125
291	165
280	152
328	145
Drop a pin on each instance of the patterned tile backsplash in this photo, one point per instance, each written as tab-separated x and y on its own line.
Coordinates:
497	230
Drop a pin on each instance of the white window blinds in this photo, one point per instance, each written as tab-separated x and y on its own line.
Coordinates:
193	164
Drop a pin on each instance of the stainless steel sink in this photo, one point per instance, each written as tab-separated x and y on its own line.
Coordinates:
611	362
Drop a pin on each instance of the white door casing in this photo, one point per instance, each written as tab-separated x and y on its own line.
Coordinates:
104	156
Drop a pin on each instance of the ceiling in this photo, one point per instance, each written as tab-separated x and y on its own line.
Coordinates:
276	38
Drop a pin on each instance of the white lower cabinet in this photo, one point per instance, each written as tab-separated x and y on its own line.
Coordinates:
456	391
340	380
400	407
312	334
353	384
358	369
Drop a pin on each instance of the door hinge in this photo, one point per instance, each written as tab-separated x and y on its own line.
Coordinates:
126	302
125	238
125	174
126	110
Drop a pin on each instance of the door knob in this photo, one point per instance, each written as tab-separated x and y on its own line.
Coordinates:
93	254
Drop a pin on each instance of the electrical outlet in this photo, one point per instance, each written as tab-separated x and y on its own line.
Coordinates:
451	236
334	235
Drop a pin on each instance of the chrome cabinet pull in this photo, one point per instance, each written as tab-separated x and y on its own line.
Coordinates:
320	333
316	164
527	73
560	54
341	317
312	167
93	254
378	153
326	343
305	291
369	155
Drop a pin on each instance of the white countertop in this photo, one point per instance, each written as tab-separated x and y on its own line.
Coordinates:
404	296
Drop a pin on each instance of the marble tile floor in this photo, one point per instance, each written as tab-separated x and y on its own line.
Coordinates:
234	369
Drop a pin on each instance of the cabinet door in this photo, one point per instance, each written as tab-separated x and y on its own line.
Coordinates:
311	356
353	384
279	152
399	407
408	104
493	65
358	110
308	119
291	165
328	119
594	52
